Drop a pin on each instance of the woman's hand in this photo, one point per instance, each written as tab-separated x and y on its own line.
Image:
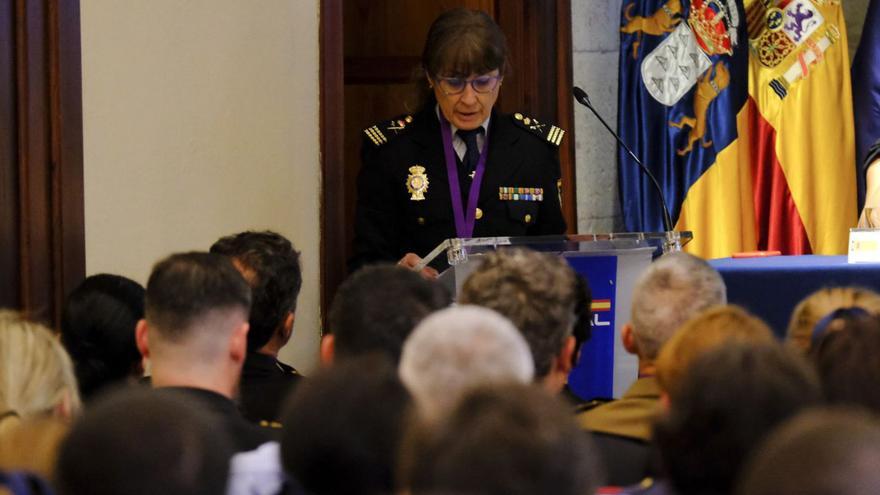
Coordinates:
411	260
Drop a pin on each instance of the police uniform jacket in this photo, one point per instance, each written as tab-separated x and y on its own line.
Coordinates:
519	194
265	385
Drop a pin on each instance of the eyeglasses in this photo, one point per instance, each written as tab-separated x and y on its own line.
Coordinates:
456	85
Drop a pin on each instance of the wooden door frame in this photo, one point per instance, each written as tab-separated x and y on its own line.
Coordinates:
546	17
44	253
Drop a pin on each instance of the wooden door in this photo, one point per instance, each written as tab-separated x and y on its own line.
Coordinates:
369	51
41	185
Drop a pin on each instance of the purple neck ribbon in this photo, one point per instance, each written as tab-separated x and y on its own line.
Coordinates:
464	223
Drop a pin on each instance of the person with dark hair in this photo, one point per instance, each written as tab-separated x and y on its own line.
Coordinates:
138	441
729	399
376	309
501	440
97	329
535	291
819	452
195	336
847	360
270	265
458	167
343	427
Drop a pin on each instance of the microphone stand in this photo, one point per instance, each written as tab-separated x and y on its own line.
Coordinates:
672	242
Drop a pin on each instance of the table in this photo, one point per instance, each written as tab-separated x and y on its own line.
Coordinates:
771	287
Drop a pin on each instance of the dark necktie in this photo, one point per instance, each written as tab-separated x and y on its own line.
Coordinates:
472	155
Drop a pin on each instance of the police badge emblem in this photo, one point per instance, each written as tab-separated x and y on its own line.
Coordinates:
417	183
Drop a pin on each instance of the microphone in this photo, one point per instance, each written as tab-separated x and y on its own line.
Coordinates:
582	98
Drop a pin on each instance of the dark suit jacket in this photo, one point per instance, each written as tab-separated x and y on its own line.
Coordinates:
390	223
244	435
265	385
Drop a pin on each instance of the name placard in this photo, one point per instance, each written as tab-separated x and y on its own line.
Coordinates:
864	246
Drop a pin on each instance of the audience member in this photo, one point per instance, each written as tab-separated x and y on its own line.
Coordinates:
195	335
343	427
138	441
720	325
822	303
36	375
501	440
673	289
97	329
848	362
728	400
459	348
376	309
713	328
819	452
271	267
32	445
535	291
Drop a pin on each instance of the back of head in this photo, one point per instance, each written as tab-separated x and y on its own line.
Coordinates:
271	266
729	399
705	332
821	303
377	308
457	349
342	428
501	440
848	363
819	452
674	288
97	329
535	291
188	297
36	375
142	442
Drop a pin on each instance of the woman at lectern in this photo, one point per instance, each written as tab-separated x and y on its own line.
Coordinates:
457	167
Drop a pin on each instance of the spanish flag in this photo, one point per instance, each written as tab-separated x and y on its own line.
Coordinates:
801	126
743	111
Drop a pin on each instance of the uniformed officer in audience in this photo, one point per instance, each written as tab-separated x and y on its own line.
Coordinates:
457	167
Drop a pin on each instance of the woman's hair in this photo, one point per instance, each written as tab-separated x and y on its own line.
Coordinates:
729	400
461	42
848	362
36	375
820	304
704	333
97	328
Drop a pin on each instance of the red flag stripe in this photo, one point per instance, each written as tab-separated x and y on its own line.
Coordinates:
777	221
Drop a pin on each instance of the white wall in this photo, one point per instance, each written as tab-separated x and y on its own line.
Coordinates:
200	119
595	41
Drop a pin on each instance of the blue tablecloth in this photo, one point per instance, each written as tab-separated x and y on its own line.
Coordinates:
771	287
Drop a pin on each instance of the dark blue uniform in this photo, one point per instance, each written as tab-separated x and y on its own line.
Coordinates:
404	204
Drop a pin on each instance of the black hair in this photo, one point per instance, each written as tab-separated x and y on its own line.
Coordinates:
342	428
184	287
583	315
271	266
820	452
377	308
501	440
97	329
142	442
848	362
729	399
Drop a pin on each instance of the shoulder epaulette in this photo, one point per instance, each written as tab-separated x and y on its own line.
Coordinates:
387	130
548	132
